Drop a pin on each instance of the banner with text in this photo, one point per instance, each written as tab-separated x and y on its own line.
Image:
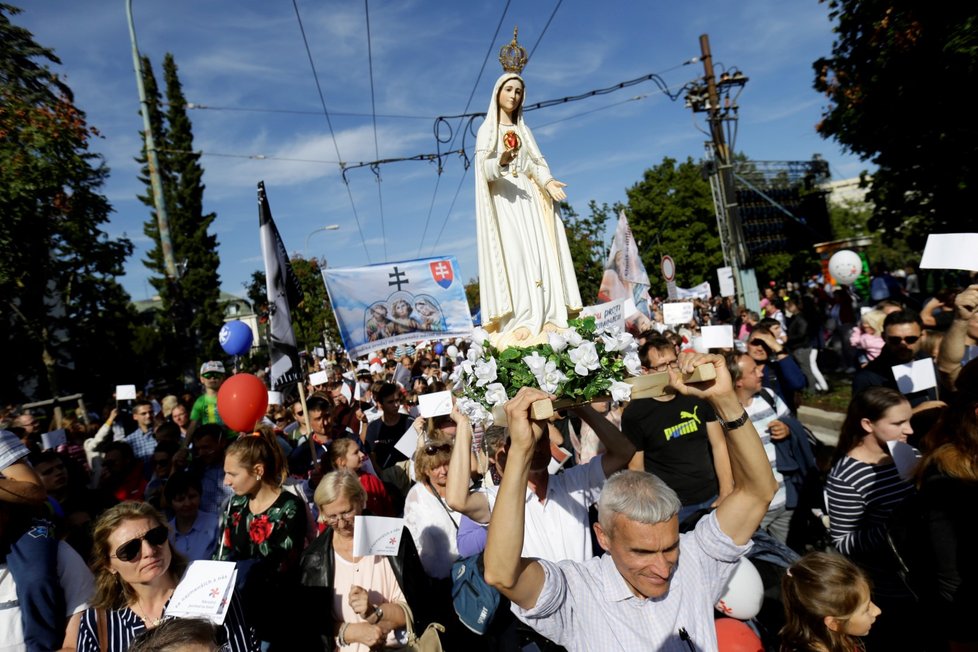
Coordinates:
384	305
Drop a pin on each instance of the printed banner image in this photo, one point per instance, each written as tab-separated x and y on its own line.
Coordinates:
384	305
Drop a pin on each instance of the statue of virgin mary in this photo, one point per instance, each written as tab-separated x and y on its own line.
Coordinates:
527	284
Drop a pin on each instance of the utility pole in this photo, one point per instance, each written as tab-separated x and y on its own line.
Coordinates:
166	245
706	97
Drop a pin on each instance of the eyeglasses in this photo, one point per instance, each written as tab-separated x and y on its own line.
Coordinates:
131	550
666	366
757	342
336	518
894	340
432	449
211	376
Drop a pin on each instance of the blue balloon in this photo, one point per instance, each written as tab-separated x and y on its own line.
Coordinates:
439	348
235	337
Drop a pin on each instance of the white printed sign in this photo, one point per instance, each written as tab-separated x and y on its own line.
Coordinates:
677	313
726	280
53	439
608	315
377	535
204	592
435	404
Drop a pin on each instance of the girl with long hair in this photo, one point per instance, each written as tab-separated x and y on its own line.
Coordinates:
263	528
827	605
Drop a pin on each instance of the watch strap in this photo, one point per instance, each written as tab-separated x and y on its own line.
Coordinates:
736	423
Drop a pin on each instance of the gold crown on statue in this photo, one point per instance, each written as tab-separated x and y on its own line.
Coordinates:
512	56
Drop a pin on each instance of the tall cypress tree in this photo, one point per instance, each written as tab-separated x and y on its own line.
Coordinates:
192	316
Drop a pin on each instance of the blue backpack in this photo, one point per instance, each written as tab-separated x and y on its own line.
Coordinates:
475	601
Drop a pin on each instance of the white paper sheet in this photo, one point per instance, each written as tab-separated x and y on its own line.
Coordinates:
915	376
274	398
951	251
125	392
318	378
726	280
720	337
376	535
204	592
408	443
677	313
905	457
53	439
435	404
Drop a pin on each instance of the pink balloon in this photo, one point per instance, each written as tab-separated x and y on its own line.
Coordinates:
735	636
242	401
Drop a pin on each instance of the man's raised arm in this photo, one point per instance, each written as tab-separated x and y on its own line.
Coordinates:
520	580
741	512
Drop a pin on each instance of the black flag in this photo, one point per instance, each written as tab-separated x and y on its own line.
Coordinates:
284	292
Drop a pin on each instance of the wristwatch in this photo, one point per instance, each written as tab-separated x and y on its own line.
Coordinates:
736	423
379	613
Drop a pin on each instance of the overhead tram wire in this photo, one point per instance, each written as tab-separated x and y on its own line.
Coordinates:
553	13
206	107
373	113
468	103
329	123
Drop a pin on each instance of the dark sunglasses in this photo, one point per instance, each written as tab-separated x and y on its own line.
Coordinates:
894	340
431	449
213	375
757	342
131	550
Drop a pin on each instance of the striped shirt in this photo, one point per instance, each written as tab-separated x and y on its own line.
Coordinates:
124	626
590	606
761	414
861	498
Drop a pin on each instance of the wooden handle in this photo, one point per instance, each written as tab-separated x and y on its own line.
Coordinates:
648	386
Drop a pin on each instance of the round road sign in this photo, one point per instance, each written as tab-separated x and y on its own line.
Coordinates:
668	269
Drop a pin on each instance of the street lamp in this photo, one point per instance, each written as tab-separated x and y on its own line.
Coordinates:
330	227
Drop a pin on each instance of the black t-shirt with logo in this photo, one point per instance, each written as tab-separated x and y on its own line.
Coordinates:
381	439
673	436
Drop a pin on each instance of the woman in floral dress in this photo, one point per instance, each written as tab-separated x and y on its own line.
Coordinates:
264	531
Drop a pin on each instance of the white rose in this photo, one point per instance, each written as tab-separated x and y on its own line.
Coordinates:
485	372
551	378
535	363
621	391
496	394
557	341
474	353
585	358
479	336
573	337
474	411
615	339
632	363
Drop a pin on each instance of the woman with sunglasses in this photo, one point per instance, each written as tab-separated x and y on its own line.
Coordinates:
136	572
263	529
361	592
863	490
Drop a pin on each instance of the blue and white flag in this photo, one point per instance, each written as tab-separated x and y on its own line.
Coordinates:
384	305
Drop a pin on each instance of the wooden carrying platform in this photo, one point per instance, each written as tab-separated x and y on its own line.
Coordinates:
648	386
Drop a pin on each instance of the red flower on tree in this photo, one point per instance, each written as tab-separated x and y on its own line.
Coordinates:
260	529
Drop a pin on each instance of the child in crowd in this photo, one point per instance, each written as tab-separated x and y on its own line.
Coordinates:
827	605
867	338
344	454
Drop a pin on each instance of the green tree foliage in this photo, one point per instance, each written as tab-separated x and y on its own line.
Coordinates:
890	82
191	314
65	320
670	211
585	238
313	317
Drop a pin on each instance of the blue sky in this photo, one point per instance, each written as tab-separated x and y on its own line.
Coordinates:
426	56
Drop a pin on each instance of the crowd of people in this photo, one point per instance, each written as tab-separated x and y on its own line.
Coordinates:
577	522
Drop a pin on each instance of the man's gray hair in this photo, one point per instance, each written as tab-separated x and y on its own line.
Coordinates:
638	496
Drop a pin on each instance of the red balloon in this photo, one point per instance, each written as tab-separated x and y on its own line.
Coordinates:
736	636
242	401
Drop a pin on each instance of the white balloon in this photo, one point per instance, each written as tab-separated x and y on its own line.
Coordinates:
744	593
845	266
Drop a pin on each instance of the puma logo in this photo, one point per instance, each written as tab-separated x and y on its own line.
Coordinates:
691	424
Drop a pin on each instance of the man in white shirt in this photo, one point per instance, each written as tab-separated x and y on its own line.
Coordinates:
641	595
767	412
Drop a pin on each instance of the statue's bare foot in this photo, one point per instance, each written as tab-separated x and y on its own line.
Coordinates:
551	327
521	333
